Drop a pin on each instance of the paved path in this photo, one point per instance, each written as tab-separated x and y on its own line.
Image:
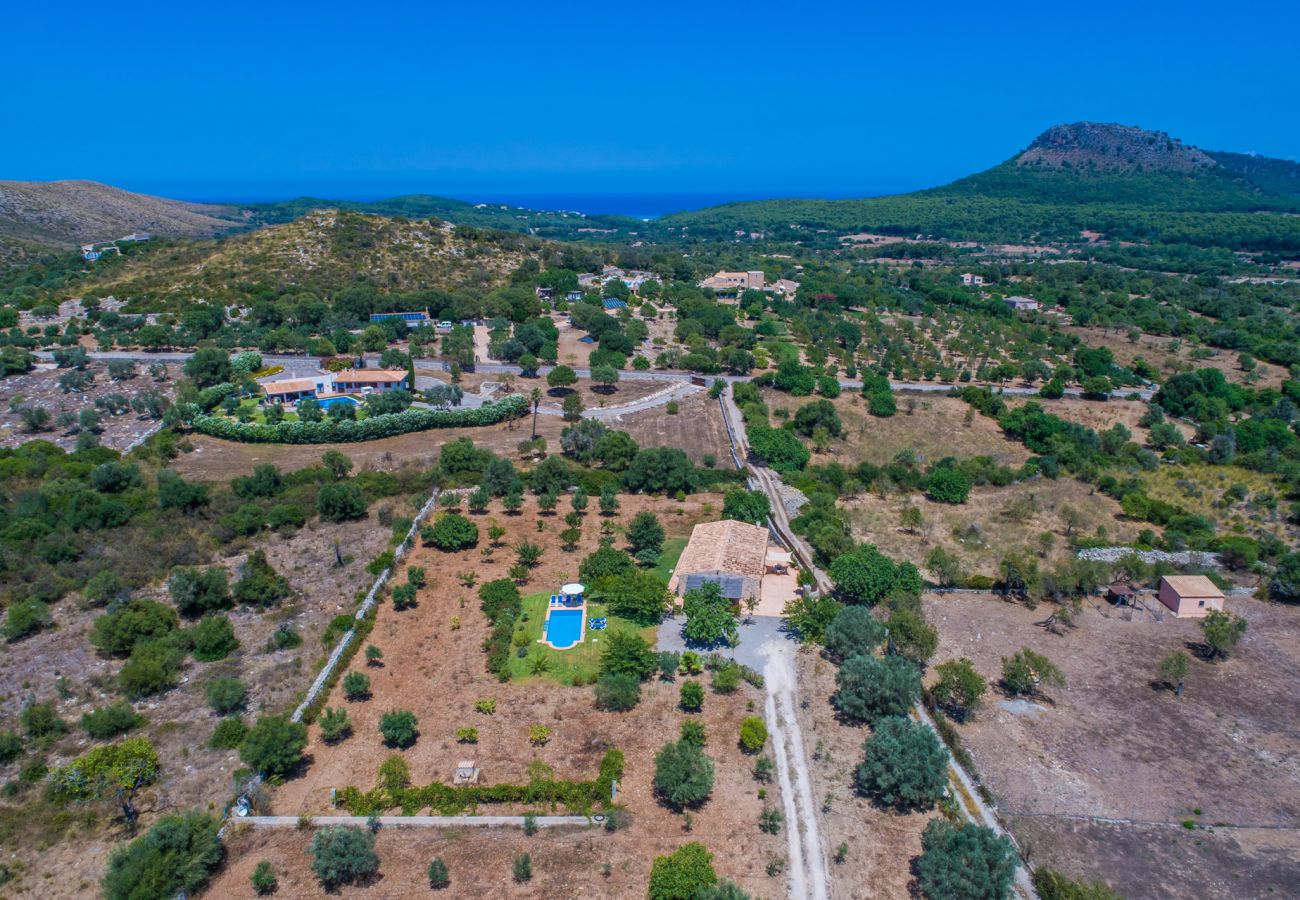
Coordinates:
417	821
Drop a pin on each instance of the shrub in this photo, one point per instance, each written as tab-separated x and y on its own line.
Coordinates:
904	764
11	746
342	855
450	532
259	584
229	734
398	728
1053	885
683	874
683	775
438	877
627	653
104	587
753	734
691	697
197	592
485	705
41	720
274	745
618	691
1023	671
853	632
178	854
151	669
538	735
522	867
693	732
356	686
226	695
948	485
334	724
467	735
403	596
726	678
870	689
214	638
341	501
119	630
25	618
959	687
110	721
967	862
263	878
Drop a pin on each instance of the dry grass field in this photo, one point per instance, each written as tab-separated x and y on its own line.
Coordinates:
931	426
1114	745
1155	350
993	521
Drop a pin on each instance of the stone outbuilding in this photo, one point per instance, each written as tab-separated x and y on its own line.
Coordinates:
732	554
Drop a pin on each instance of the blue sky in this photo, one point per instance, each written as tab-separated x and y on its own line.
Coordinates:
507	99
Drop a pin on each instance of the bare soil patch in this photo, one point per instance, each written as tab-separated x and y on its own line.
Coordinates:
1113	744
697	428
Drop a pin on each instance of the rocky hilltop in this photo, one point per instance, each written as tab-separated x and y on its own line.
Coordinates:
1110	147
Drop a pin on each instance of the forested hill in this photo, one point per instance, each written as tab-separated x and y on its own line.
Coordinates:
1127	183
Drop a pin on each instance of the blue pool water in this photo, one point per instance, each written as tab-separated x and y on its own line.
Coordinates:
564	628
327	403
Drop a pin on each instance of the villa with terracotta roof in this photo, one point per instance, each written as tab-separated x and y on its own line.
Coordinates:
348	381
732	554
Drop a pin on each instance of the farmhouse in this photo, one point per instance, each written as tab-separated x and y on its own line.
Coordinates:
732	554
728	282
1190	596
1022	304
970	279
288	390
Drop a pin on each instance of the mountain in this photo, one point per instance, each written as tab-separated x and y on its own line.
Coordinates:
1126	183
70	213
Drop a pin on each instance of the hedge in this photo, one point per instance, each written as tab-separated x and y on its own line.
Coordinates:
329	431
449	800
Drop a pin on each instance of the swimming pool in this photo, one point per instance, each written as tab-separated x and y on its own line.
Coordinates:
564	628
330	401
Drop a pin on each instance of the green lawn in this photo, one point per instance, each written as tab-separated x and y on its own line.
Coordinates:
582	661
673	548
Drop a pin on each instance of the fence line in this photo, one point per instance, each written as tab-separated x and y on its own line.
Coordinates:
327	670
